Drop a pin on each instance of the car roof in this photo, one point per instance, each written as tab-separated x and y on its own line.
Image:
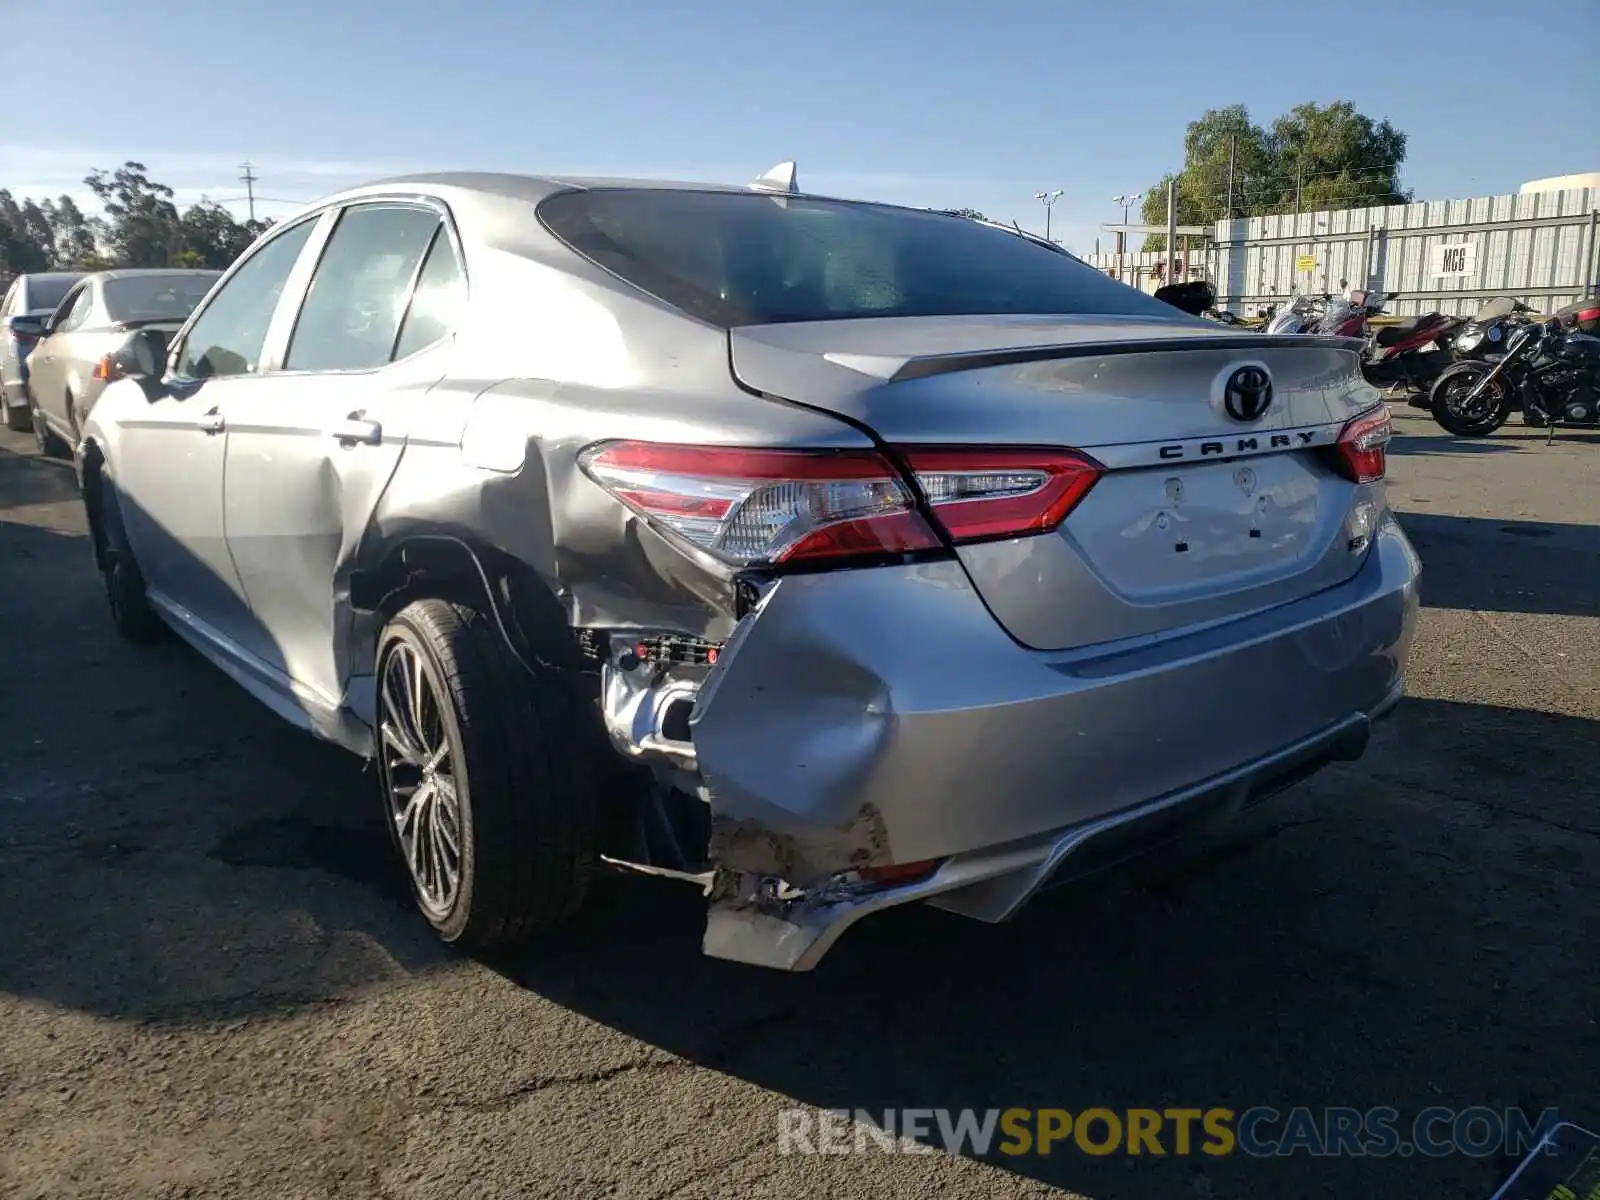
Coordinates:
139	272
53	276
528	188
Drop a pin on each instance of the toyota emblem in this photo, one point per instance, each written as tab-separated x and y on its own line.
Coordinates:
1248	394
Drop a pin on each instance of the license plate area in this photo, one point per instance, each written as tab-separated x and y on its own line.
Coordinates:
1157	533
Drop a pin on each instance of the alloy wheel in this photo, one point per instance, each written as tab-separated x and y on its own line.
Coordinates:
1481	408
419	778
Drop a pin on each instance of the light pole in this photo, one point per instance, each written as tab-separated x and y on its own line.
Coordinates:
1047	199
1127	202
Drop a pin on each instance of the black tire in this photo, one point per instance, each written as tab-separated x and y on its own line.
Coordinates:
1489	411
524	804
131	613
18	420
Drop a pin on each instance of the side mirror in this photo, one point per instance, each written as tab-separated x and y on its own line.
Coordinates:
144	355
143	359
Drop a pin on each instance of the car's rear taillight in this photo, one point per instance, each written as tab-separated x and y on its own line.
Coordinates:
108	368
750	506
979	494
765	506
1360	454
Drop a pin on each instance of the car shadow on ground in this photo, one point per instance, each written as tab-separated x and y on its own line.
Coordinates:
1437	443
27	479
169	849
1360	929
1495	565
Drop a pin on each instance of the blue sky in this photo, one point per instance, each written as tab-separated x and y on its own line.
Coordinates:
935	103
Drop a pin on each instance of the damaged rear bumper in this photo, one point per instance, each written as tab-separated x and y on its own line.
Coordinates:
751	924
860	719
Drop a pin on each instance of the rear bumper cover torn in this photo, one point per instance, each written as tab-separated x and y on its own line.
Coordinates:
875	717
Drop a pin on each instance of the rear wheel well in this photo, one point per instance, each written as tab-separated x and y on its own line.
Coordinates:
533	628
443	567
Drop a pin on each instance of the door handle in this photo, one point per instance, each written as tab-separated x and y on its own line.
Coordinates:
211	422
356	430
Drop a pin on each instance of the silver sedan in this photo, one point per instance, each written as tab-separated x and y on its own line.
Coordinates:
85	339
828	555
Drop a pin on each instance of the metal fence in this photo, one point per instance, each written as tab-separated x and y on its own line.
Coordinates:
1445	255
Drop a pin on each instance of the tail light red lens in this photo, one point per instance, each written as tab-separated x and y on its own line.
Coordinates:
765	506
784	506
981	494
108	368
1361	453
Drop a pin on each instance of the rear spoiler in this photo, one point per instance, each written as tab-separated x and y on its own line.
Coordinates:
976	360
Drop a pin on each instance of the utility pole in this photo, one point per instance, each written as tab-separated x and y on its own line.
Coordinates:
1127	201
249	180
1299	178
1172	224
1230	177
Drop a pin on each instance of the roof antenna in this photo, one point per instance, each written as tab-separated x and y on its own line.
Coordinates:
780	179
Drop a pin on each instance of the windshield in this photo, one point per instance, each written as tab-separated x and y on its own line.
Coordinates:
1500	306
156	297
736	258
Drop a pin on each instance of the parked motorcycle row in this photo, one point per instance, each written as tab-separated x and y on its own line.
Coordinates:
1471	373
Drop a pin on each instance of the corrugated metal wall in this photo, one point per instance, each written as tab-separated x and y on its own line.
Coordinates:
1536	246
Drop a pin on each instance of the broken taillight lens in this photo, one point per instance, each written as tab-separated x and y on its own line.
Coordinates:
1361	453
765	506
783	506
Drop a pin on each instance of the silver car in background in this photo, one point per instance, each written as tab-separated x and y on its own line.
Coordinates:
28	304
84	343
829	555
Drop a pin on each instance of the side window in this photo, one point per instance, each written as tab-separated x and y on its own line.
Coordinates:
227	337
435	305
74	310
358	295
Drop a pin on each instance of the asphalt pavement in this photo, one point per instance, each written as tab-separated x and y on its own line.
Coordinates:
211	982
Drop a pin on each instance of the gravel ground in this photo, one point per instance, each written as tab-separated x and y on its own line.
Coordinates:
210	982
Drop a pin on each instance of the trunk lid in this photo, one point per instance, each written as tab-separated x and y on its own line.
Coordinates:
1200	517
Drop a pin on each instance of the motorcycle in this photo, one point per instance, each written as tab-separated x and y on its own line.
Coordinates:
1409	353
1550	370
1483	336
1300	315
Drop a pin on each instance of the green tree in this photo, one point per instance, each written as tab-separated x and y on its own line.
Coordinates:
971	214
20	248
208	236
141	222
72	233
1314	157
1332	157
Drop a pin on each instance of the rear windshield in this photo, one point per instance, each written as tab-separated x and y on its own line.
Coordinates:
156	297
48	293
750	259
